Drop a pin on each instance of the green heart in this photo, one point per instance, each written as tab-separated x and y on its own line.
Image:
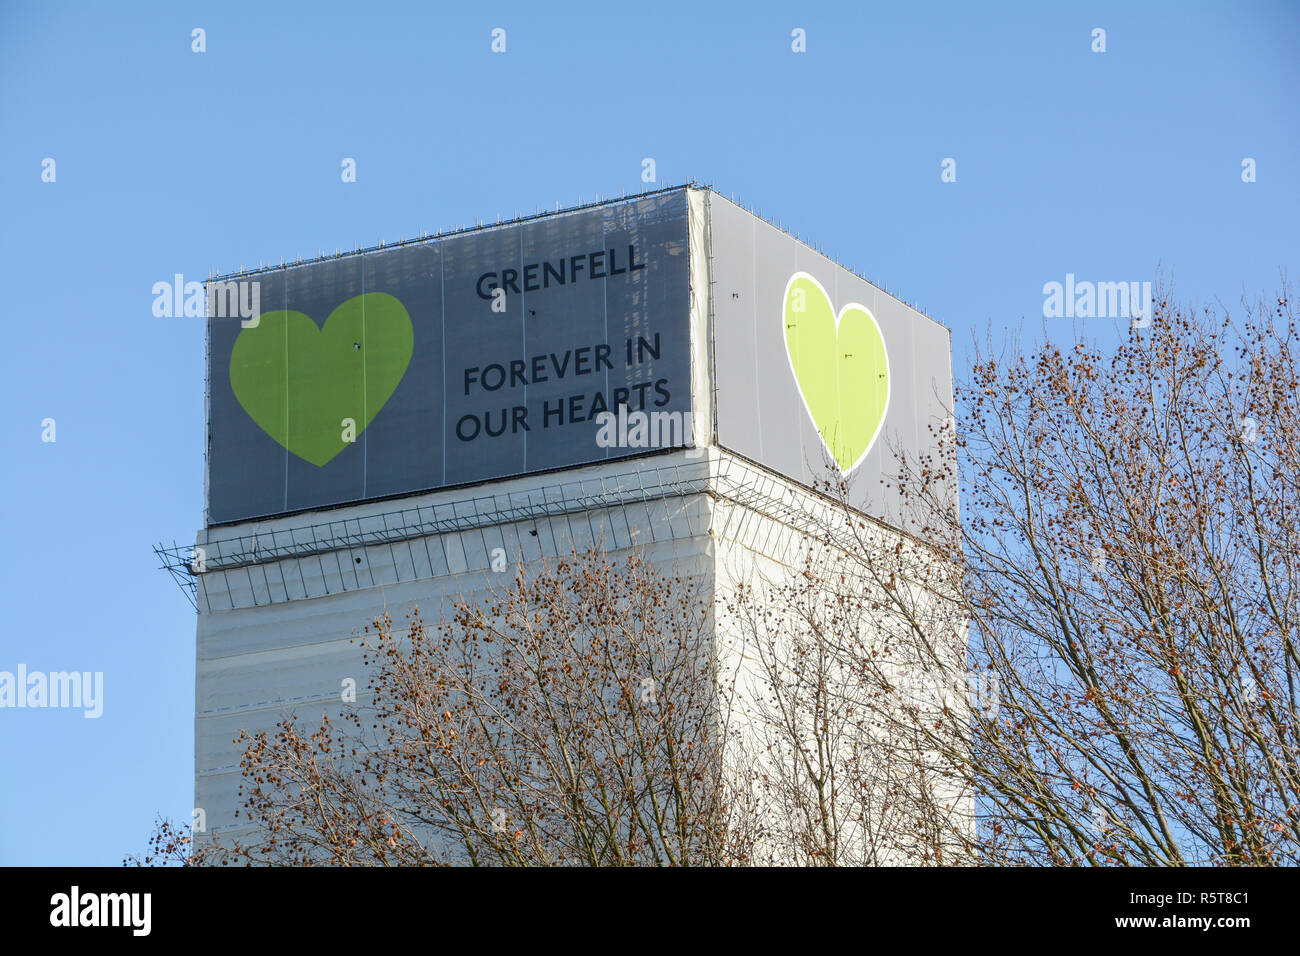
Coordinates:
840	365
299	382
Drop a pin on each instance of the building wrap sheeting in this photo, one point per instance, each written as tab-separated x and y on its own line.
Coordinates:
449	361
491	353
816	370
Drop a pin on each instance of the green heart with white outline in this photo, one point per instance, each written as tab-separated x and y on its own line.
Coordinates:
841	367
299	382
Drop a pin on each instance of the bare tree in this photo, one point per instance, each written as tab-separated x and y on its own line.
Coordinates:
1092	660
574	716
851	652
1125	557
170	844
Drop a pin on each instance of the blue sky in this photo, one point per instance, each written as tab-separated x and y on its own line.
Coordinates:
1105	165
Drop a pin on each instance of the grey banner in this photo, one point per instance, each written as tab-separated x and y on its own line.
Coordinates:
762	411
478	356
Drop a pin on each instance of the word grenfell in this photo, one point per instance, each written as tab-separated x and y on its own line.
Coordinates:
71	689
540	275
102	909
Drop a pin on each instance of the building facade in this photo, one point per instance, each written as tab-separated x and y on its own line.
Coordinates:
389	427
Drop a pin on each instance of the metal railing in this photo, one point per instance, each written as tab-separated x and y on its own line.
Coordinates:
718	476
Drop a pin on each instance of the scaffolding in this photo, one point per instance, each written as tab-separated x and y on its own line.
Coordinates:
644	505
